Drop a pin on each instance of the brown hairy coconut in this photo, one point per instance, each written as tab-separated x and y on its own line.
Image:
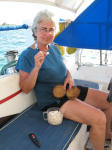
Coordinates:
59	91
73	92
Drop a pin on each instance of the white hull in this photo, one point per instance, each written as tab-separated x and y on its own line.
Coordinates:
9	84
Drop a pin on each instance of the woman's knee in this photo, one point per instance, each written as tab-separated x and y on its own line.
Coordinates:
100	119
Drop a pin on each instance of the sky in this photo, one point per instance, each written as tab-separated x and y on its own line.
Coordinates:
20	12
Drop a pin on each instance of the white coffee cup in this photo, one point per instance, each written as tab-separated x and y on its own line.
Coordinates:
53	115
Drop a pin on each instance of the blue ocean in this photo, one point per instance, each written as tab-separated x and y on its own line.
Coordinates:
22	38
14	40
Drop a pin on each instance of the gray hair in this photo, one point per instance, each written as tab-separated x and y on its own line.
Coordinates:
44	15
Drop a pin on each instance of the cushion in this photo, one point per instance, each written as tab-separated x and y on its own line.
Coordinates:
15	135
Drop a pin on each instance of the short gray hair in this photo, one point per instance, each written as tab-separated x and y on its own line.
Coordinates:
44	15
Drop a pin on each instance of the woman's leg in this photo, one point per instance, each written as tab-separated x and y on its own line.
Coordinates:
98	99
81	112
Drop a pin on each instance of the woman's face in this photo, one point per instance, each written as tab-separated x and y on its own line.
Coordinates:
46	32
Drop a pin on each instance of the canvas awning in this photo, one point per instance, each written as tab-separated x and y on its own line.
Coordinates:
71	5
92	29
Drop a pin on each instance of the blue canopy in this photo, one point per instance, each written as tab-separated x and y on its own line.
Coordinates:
91	30
14	27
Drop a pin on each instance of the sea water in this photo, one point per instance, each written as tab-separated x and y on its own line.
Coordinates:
14	40
22	38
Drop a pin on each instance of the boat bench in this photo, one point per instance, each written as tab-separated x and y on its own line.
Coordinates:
14	135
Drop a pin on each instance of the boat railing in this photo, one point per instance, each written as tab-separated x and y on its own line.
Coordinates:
11	62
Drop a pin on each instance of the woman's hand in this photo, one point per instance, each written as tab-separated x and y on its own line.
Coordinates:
39	58
68	80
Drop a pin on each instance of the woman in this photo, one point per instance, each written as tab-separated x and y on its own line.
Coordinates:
42	72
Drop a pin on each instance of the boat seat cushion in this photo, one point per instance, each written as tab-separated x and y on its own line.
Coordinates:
15	135
89	84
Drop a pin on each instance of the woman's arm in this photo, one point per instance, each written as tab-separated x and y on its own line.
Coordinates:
68	80
28	80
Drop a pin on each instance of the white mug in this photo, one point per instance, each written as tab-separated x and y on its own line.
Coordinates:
53	115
